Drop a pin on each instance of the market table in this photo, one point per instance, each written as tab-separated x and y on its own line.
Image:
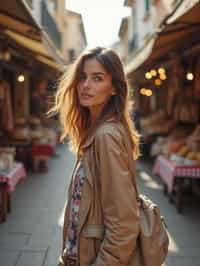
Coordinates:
23	148
8	181
173	176
41	152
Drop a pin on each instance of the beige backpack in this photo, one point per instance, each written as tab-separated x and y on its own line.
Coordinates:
153	240
153	236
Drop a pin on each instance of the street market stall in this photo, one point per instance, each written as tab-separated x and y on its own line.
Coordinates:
174	177
10	176
166	84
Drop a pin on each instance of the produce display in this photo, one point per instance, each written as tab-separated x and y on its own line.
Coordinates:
172	143
32	130
189	153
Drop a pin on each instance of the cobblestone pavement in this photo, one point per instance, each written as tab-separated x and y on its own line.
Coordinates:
31	236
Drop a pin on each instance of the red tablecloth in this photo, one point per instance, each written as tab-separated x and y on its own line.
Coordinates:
13	176
42	149
168	170
48	150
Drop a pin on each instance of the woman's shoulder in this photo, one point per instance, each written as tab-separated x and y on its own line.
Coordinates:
108	132
111	129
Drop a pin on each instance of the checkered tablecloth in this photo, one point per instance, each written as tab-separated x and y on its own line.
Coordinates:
13	176
168	170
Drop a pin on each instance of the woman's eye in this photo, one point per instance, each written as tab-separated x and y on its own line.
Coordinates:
97	78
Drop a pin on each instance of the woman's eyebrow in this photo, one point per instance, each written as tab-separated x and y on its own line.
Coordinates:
98	73
95	73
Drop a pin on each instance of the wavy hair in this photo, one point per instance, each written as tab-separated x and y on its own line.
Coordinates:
74	118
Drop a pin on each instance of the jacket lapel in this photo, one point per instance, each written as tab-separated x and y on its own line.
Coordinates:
86	194
91	137
86	197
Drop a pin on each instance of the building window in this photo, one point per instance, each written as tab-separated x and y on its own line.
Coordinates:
147	5
56	5
71	54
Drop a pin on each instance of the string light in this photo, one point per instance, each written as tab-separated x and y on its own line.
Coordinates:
158	82
148	75
189	76
21	78
153	72
163	76
161	70
146	92
143	91
149	92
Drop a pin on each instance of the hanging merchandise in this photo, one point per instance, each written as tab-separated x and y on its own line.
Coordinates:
197	80
7	113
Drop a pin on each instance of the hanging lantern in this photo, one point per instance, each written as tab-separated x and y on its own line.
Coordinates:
148	75
158	82
161	70
189	76
153	73
20	78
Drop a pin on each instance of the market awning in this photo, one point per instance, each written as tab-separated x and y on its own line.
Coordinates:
33	45
48	62
36	47
15	15
178	32
18	24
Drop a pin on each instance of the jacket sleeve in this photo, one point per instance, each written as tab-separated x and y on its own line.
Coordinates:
118	198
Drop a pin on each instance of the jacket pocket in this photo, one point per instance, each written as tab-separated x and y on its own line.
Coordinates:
90	242
94	231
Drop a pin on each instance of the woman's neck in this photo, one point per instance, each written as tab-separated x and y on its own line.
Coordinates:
95	113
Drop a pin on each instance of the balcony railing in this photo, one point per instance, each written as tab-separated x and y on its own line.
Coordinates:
49	25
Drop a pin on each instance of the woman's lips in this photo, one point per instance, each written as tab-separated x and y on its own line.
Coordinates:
86	96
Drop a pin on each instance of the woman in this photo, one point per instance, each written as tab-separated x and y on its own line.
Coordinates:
101	221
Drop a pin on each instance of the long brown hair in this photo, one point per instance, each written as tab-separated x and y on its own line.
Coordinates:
74	118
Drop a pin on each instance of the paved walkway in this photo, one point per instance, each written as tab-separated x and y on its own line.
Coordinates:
31	235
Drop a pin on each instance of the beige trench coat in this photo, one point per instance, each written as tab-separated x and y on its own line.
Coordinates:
108	216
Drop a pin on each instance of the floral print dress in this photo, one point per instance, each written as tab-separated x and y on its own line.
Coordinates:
71	243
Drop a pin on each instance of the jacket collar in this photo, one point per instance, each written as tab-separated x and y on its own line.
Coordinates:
91	137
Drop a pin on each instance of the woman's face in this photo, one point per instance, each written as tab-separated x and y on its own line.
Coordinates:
95	86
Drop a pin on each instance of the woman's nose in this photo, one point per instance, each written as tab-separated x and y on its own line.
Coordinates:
86	83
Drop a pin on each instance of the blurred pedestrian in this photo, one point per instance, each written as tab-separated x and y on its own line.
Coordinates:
101	221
